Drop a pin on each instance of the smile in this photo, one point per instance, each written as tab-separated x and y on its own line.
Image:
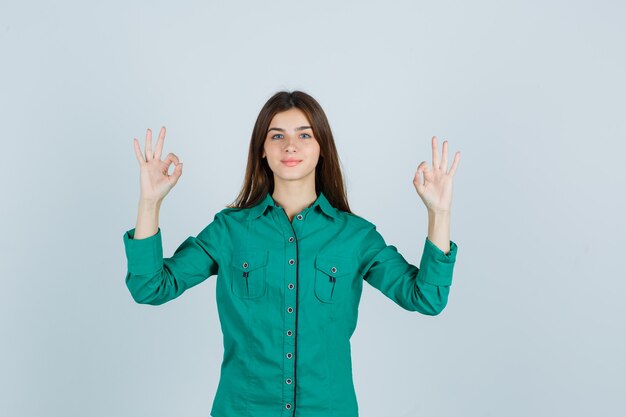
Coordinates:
291	163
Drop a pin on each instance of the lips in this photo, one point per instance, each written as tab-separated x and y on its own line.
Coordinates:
291	162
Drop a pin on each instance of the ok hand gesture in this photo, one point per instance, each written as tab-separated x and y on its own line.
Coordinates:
436	190
154	179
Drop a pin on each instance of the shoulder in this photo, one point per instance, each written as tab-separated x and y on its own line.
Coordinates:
355	221
233	213
361	233
222	219
231	218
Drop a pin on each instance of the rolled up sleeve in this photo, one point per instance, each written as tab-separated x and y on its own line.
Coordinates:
424	289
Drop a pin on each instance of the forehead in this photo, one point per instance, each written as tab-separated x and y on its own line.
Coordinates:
290	118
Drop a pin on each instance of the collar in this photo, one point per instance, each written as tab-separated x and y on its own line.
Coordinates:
267	201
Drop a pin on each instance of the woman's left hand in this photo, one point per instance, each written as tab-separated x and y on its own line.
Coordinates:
436	190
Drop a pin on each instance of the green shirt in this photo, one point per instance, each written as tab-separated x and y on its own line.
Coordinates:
287	296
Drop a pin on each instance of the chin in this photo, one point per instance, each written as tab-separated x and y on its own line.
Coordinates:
292	175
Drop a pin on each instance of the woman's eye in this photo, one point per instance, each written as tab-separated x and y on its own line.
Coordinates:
306	136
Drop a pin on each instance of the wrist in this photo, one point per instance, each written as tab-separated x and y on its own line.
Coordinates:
438	213
149	204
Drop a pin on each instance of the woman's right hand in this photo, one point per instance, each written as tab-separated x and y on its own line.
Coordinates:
154	179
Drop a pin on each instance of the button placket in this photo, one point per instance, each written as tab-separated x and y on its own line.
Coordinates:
291	304
290	301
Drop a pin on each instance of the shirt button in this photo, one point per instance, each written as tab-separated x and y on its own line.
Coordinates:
289	355
291	262
245	264
288	406
290	310
290	286
299	216
333	269
288	380
291	238
289	333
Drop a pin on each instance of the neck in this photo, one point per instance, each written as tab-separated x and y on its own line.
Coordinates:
294	199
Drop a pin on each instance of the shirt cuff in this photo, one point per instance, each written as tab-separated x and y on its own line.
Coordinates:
144	256
436	267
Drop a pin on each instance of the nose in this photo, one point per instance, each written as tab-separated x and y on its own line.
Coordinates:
290	143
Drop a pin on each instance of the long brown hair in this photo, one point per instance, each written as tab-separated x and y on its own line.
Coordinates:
259	178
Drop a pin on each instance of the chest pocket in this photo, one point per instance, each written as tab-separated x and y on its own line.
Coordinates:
249	271
332	277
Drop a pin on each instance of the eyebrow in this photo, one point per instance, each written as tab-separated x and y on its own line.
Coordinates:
282	130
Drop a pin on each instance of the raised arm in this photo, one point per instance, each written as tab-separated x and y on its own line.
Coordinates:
155	183
424	289
151	278
436	193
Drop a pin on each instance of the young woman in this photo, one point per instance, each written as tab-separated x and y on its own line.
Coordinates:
290	259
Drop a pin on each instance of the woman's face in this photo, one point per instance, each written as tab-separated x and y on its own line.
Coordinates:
290	137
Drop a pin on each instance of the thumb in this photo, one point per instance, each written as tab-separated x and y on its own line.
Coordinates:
417	180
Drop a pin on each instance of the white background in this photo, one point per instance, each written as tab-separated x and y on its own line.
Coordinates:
531	93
